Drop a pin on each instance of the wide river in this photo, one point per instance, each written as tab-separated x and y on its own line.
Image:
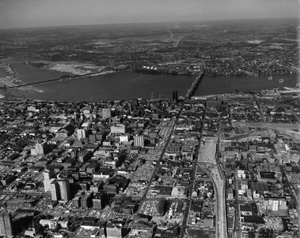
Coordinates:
127	85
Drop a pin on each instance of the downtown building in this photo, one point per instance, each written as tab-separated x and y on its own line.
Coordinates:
139	140
60	190
6	228
106	113
81	134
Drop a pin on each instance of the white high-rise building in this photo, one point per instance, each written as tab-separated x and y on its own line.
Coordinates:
139	140
64	189
48	178
6	225
54	188
81	134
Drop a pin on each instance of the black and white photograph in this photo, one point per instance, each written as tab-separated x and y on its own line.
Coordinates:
149	118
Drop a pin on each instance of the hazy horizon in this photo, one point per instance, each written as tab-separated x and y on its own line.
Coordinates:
48	13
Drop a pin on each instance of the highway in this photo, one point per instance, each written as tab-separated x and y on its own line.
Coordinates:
221	221
220	182
210	157
215	173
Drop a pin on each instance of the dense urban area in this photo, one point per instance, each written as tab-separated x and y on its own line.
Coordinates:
221	166
224	165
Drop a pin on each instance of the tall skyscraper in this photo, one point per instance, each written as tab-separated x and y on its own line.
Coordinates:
106	113
48	178
64	189
97	203
6	225
139	140
54	188
42	148
81	134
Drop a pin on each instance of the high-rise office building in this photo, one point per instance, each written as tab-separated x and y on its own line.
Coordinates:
42	147
81	134
97	203
106	113
48	178
54	188
139	140
86	201
64	189
76	201
48	173
6	229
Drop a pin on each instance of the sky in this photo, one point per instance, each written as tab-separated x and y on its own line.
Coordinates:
42	13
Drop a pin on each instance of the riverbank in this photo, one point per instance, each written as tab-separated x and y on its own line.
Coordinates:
129	85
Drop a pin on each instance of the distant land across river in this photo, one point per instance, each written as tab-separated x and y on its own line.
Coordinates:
128	85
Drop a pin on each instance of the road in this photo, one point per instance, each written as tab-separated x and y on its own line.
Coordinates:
211	156
186	214
158	165
237	226
11	85
220	186
190	93
166	144
220	183
215	173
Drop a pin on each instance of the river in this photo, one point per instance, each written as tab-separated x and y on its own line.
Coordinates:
127	85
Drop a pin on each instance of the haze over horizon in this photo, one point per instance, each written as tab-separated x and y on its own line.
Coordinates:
43	13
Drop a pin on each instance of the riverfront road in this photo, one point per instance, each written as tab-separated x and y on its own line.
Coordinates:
11	86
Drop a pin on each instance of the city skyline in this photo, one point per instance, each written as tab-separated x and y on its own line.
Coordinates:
187	128
33	13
